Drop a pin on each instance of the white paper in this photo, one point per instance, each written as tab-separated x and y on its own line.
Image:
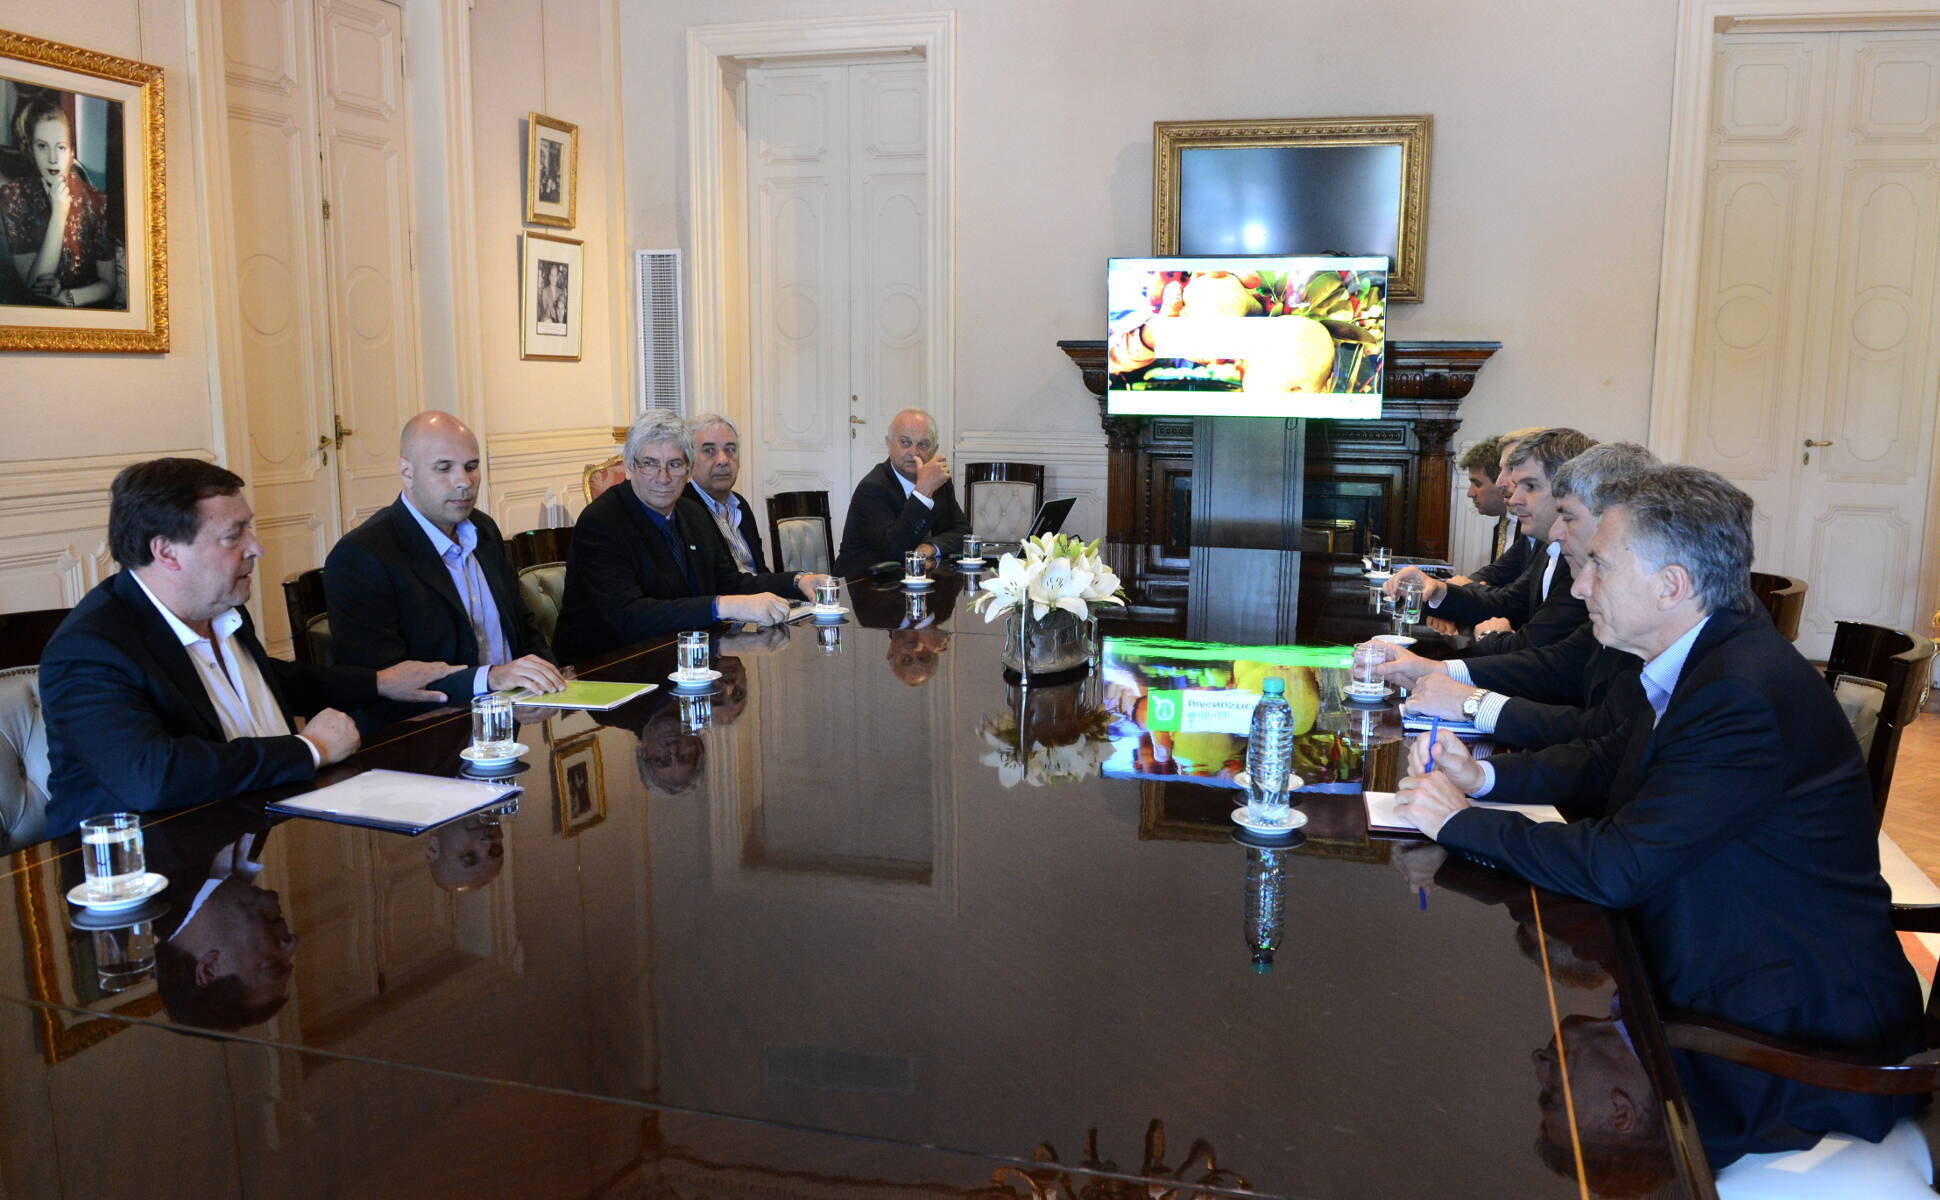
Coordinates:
399	799
1383	817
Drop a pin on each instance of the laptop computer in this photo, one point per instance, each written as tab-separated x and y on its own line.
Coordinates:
1050	518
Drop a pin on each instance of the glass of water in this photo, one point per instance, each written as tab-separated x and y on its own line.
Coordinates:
492	726
124	956
1407	603
828	593
113	860
1366	680
692	652
972	547
916	566
697	712
1383	559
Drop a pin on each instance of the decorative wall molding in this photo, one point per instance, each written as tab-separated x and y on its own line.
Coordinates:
527	469
46	494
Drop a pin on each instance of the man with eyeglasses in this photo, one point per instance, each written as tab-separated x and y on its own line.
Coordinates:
643	564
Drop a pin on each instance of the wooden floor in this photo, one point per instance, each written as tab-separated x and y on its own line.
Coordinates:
1913	805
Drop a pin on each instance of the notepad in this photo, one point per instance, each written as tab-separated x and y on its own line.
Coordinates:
1382	817
598	697
1419	724
400	801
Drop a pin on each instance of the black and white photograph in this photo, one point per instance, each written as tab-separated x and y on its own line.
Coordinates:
551	171
579	786
80	217
551	320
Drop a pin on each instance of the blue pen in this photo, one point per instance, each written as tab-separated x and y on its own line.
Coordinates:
1434	731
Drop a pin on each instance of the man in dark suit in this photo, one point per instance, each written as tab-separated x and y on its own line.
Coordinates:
156	690
717	464
1545	694
643	563
1538	605
1733	820
427	577
905	503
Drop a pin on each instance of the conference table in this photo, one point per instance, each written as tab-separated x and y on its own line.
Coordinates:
870	918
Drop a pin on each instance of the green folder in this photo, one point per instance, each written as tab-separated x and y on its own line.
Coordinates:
579	694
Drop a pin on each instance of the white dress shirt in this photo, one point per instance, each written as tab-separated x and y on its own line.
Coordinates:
460	559
244	705
909	489
727	518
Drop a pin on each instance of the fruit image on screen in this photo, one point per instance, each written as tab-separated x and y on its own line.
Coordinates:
1246	336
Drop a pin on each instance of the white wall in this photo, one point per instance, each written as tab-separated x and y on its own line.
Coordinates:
1545	202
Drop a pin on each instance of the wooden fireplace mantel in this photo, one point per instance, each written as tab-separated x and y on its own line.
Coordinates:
1404	455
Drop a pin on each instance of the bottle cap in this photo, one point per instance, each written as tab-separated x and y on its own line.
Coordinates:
1273	685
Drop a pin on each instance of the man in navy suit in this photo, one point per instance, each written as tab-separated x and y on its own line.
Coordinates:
905	503
1732	819
717	464
427	577
643	563
156	690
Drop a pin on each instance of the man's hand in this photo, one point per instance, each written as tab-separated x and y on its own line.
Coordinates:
1407	668
1418	862
1427	801
1459	580
763	608
931	476
533	673
405	681
927	549
1492	625
1445	628
1451	759
1432	589
1439	696
333	734
808	581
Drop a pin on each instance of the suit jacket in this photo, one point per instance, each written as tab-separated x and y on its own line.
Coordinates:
1739	835
391	599
1508	566
883	524
624	586
130	726
1572	689
749	526
1539	617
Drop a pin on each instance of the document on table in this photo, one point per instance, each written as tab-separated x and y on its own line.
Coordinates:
396	800
1419	724
1383	818
597	697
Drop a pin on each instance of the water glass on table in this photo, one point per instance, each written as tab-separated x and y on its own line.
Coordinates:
972	548
828	592
691	654
1407	604
916	567
492	726
1366	681
113	859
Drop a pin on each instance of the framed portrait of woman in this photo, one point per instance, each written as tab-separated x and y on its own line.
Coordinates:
552	294
551	171
82	206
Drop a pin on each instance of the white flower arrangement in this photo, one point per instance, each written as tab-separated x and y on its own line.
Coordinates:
1057	572
1041	765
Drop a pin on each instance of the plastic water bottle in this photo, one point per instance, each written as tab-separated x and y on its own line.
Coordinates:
1269	753
1266	905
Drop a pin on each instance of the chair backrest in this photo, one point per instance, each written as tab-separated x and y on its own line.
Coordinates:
1001	498
801	531
543	588
602	475
536	546
309	618
1900	668
23	635
1784	598
23	759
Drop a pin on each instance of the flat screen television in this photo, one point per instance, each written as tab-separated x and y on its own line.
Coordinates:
1246	336
1181	711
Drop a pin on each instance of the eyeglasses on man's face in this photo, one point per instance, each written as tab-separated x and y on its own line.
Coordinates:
655	466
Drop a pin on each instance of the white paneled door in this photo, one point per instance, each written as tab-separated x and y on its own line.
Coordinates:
1816	373
837	171
329	328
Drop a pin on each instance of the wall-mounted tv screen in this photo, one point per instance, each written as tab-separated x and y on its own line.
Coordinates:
1246	336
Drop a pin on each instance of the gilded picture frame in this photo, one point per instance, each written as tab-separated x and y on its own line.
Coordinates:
1396	150
54	974
551	171
92	124
579	784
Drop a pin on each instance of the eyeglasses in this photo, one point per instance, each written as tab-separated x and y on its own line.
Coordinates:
653	466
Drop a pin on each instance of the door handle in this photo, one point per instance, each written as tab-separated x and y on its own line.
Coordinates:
855	420
342	433
323	448
1809	443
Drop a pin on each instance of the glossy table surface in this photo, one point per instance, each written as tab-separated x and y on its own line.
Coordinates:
829	932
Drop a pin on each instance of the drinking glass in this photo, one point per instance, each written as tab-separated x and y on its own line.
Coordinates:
1383	559
972	547
916	606
697	712
112	857
916	566
829	638
123	957
692	651
1367	674
492	726
1375	600
1407	608
828	593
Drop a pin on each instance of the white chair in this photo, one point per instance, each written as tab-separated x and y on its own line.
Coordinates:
1000	500
23	759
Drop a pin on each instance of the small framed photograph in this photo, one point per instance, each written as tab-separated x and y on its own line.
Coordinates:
82	207
578	784
551	171
551	297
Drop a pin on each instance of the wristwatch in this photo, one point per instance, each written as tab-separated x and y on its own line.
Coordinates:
1472	703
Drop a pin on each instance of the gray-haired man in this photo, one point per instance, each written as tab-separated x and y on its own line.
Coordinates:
717	465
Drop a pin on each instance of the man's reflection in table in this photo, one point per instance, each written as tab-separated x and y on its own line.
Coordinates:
732	698
465	855
226	956
670	756
913	654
